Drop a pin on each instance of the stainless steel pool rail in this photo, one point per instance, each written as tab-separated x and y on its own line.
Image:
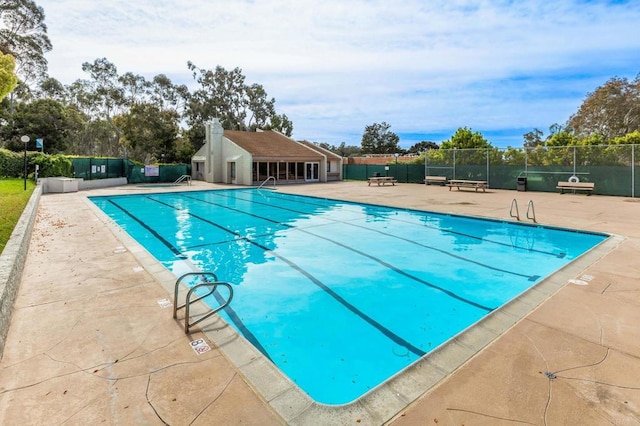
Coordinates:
531	211
183	178
267	180
514	206
212	284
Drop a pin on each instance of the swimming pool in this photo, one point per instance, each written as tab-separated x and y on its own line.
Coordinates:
341	296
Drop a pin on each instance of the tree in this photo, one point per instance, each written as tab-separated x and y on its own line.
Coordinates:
8	78
42	118
465	138
239	106
53	89
562	138
280	123
149	132
533	138
167	96
378	139
612	110
422	146
342	150
23	34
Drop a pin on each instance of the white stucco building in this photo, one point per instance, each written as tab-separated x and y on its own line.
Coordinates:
249	158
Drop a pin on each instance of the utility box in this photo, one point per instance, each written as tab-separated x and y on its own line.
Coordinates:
521	184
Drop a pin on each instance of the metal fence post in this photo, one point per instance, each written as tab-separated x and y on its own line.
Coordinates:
633	173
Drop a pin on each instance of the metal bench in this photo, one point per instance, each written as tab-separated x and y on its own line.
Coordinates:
588	187
442	180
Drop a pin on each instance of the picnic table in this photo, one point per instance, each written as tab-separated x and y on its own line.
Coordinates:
460	183
381	180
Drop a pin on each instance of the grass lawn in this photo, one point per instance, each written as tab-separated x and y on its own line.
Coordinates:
13	199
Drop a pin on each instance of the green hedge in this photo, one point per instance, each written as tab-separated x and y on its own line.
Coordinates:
12	164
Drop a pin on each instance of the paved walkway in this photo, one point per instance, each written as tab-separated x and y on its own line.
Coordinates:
90	342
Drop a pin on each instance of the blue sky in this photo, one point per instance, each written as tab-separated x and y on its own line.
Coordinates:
426	68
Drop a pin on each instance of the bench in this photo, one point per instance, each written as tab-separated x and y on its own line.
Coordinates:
476	184
381	180
435	179
576	186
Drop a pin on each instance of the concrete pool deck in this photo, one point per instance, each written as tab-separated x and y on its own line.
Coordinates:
90	341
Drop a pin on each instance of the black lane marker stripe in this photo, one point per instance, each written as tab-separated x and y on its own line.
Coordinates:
160	238
547	253
381	328
228	309
445	252
375	259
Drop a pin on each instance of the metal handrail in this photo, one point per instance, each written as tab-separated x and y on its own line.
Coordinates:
267	180
514	203
531	208
183	178
212	285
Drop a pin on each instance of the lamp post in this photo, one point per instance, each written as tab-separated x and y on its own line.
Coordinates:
25	139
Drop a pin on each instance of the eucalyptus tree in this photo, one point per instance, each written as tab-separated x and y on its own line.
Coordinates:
533	138
224	94
23	34
168	96
612	110
101	98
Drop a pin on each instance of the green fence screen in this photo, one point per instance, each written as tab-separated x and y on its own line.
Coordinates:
103	168
615	169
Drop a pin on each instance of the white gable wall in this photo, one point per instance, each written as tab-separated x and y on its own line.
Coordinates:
233	153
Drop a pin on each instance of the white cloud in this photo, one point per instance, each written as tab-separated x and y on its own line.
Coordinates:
335	67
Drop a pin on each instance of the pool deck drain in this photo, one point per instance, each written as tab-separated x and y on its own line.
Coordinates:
89	341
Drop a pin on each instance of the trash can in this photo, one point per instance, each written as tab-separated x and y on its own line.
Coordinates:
376	174
522	184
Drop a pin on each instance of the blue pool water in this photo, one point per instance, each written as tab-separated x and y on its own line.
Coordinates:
339	295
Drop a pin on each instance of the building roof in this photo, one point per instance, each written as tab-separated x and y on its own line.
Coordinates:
271	145
320	149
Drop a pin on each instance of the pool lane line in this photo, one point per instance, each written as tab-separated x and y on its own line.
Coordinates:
153	232
374	258
381	328
548	253
228	309
531	278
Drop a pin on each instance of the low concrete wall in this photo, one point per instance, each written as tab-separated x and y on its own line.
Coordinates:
101	183
12	263
59	184
62	184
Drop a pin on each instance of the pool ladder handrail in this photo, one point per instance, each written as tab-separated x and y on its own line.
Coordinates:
514	203
531	208
183	178
531	211
211	284
267	180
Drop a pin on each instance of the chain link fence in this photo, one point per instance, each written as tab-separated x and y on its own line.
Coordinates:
614	169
